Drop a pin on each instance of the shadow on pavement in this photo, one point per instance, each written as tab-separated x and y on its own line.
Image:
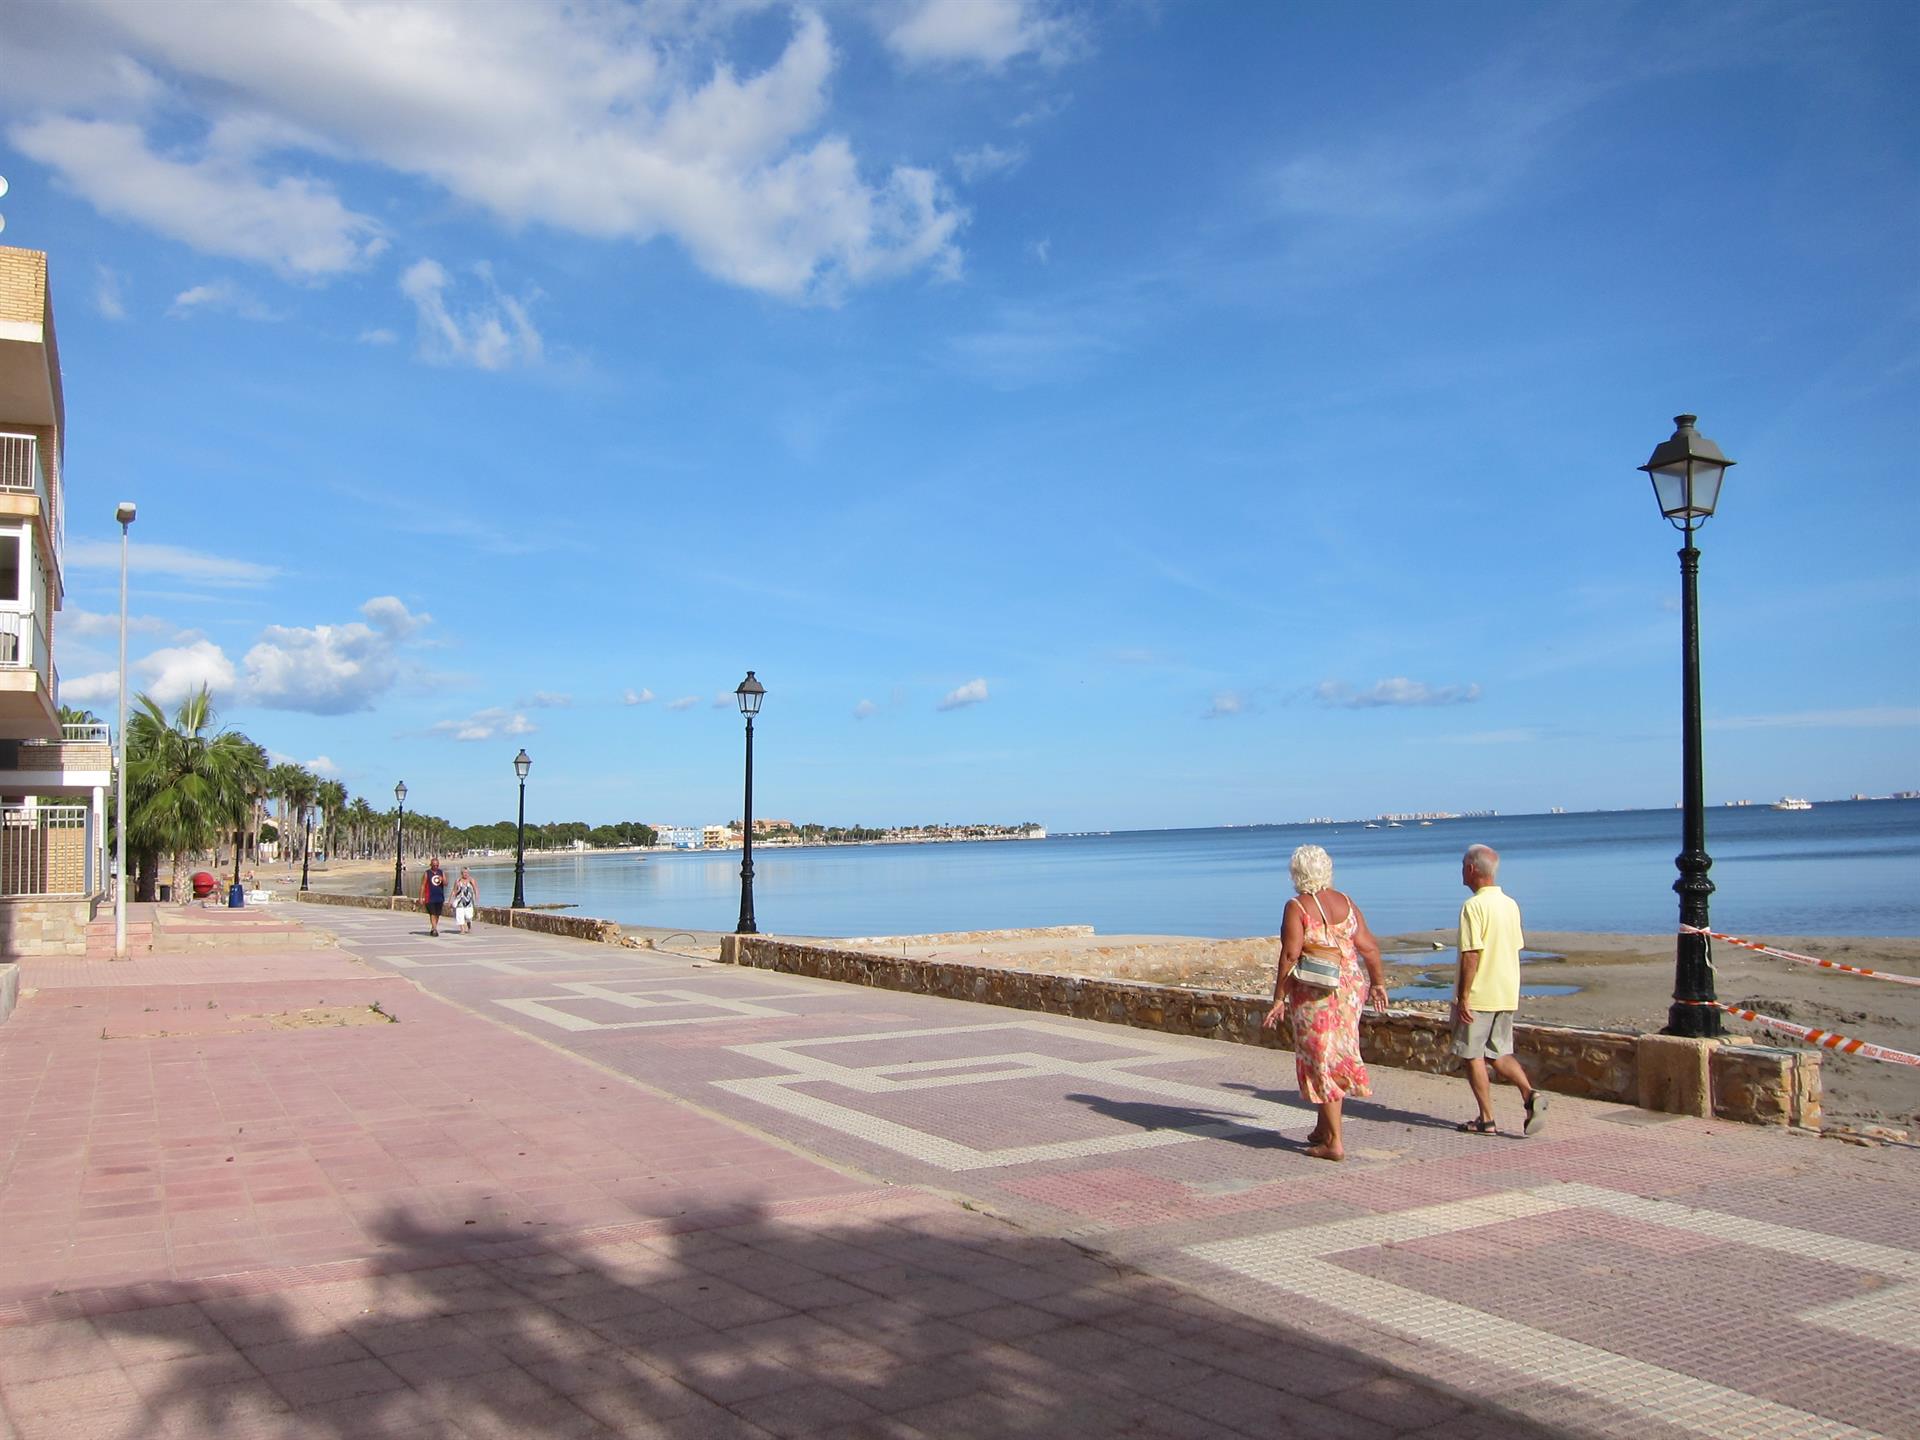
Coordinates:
1363	1109
845	1325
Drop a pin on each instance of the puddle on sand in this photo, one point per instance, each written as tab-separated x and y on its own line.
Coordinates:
1444	993
1427	957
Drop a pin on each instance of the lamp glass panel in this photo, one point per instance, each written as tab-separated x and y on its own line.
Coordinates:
1706	486
749	700
1670	488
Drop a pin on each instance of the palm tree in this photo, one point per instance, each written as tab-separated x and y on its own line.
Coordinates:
299	796
332	796
282	780
187	784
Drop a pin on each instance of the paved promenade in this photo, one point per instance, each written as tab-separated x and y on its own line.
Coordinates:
573	1190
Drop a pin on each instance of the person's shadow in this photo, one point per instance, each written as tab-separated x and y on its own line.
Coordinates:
1363	1109
1211	1124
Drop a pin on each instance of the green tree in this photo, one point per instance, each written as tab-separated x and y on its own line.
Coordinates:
332	796
187	784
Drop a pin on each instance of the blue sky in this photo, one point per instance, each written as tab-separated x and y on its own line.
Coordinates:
1105	415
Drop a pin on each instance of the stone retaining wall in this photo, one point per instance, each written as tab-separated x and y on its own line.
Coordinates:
9	987
46	925
1748	1082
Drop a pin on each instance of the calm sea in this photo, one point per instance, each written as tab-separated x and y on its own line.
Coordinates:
1842	868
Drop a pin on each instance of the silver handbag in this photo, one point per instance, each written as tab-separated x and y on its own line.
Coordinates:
1319	967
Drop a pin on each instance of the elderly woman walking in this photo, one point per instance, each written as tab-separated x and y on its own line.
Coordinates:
1321	988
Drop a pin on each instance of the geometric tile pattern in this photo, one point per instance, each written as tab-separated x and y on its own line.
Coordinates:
1298	1261
681	1002
810	1062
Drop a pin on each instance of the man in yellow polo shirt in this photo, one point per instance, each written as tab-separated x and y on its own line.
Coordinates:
1487	992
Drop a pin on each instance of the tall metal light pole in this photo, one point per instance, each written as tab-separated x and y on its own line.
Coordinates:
522	763
399	820
123	512
750	692
306	840
1686	471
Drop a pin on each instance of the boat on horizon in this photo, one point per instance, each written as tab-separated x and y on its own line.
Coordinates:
1790	802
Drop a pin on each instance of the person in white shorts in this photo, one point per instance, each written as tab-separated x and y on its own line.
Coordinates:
1487	992
466	895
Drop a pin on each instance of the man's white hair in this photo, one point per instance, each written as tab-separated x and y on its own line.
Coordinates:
1312	870
1483	860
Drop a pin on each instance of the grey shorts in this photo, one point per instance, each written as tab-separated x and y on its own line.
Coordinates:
1489	1037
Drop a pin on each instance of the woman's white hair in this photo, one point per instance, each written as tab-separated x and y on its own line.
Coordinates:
1312	870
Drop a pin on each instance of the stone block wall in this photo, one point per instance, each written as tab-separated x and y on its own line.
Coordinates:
44	925
1593	1064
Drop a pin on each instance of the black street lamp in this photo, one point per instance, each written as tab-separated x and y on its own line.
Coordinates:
1686	472
522	763
399	821
749	693
306	841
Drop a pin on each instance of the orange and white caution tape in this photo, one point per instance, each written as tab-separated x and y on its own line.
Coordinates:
1825	1039
1797	957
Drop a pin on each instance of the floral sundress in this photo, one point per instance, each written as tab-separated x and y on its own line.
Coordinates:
1326	1023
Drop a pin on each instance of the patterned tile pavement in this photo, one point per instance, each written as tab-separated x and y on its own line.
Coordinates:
579	1190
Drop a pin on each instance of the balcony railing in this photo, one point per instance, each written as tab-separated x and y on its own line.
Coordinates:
24	645
22	473
48	850
89	733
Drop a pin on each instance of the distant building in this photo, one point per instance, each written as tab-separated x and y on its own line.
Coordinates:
680	837
716	836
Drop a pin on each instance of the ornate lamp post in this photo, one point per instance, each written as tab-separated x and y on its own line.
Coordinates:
123	512
306	840
399	821
1686	472
750	692
522	763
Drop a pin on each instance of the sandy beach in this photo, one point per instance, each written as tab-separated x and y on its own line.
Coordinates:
1622	982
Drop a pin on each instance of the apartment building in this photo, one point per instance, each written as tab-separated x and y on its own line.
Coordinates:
53	778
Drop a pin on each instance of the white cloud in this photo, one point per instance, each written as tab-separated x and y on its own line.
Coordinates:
547	700
86	624
378	336
1873	717
108	292
488	724
685	702
1225	703
865	709
641	696
331	669
216	204
219	295
172	674
989	159
974	692
491	332
174	560
1398	691
84	689
981	32
1041	250
609	121
724	700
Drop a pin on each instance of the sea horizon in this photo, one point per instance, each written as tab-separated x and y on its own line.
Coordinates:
1843	868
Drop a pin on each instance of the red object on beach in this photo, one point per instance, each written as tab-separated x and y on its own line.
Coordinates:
203	884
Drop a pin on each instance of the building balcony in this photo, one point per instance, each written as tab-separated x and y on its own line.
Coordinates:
26	493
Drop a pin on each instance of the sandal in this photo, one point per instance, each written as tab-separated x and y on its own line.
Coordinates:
1536	1113
1477	1127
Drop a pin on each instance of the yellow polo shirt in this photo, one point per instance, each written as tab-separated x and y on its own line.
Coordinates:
1490	923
